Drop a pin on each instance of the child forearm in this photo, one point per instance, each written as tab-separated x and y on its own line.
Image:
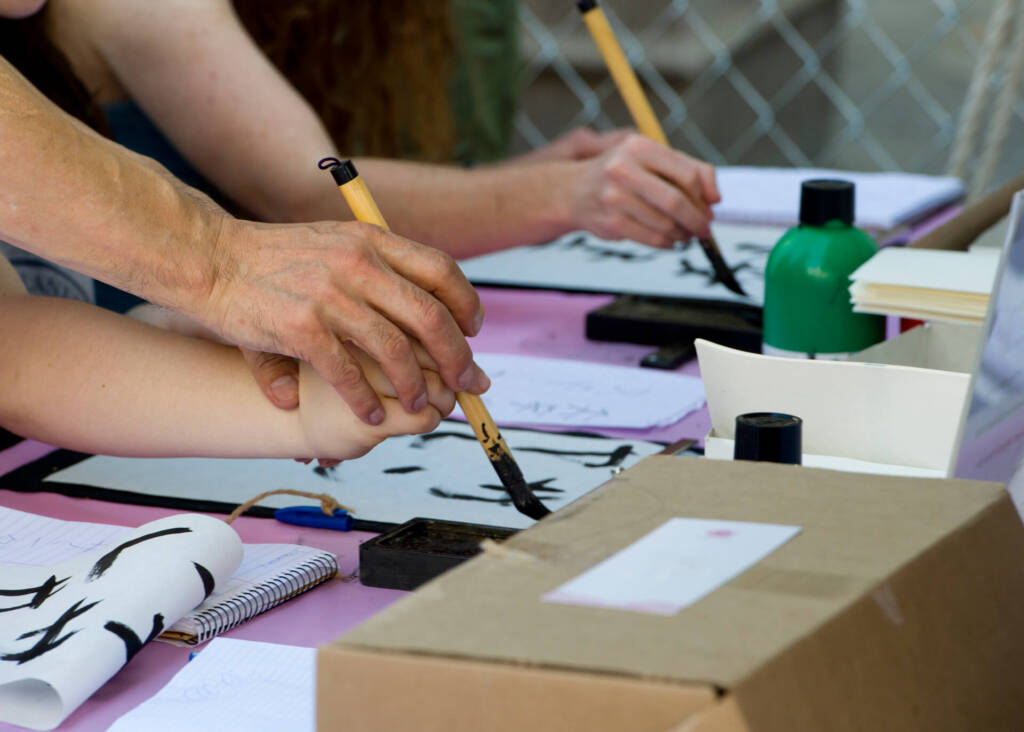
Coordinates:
89	380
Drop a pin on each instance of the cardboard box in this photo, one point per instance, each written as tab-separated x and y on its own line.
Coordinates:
899	606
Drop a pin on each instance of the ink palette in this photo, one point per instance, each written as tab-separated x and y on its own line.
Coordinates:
658	321
420	549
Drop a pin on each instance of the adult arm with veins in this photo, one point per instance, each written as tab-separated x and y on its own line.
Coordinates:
90	380
200	77
303	290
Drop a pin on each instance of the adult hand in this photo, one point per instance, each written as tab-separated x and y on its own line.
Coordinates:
276	375
639	189
304	290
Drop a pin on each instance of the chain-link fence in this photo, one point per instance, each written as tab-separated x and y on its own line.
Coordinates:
855	84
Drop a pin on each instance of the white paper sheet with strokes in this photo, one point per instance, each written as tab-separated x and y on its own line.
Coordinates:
552	391
233	685
584	263
442	475
674	566
882	200
68	626
29	540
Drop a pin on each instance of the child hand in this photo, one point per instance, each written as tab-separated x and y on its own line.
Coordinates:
333	431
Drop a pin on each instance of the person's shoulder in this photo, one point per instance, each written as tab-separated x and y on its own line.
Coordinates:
119	21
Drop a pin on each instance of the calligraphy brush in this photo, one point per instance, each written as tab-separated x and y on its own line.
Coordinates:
643	116
365	209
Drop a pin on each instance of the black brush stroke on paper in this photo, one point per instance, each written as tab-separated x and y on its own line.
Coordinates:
615	457
505	500
49	639
599	252
132	644
538	485
686	269
439	435
754	247
107	560
48	589
435	491
402	470
207	577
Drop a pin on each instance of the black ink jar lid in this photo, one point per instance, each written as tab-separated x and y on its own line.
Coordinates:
768	437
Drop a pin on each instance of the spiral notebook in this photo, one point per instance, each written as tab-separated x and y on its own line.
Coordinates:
268	575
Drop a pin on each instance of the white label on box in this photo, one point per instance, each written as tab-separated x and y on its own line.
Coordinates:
675	565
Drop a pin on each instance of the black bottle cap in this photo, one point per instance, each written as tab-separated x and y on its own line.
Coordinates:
343	171
769	437
823	200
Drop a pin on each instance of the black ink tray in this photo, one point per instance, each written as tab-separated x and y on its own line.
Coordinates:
658	321
420	549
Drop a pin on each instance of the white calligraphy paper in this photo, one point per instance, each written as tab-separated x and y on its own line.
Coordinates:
552	391
441	475
67	627
582	262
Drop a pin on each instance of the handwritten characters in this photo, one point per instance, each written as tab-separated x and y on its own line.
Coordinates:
568	393
442	474
71	626
582	262
392	483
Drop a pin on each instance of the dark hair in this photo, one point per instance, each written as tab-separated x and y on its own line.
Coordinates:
26	46
376	73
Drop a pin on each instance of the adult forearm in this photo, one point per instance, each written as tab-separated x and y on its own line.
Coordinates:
74	197
466	212
300	290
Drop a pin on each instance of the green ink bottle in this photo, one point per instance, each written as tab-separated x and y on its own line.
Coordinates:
807	309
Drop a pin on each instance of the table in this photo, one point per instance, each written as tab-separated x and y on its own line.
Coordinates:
527	322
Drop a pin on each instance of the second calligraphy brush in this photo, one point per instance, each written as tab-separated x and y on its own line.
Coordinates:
643	116
365	209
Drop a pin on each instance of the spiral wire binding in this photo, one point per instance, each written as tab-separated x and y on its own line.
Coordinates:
259	598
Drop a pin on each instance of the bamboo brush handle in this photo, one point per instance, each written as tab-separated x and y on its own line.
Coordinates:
623	75
483	425
362	204
365	209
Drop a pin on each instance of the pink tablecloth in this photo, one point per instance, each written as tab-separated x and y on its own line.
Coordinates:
537	323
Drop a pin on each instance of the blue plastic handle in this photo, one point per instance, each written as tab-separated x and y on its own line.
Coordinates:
315	517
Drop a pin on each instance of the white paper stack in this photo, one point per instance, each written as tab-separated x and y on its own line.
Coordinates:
883	200
925	284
